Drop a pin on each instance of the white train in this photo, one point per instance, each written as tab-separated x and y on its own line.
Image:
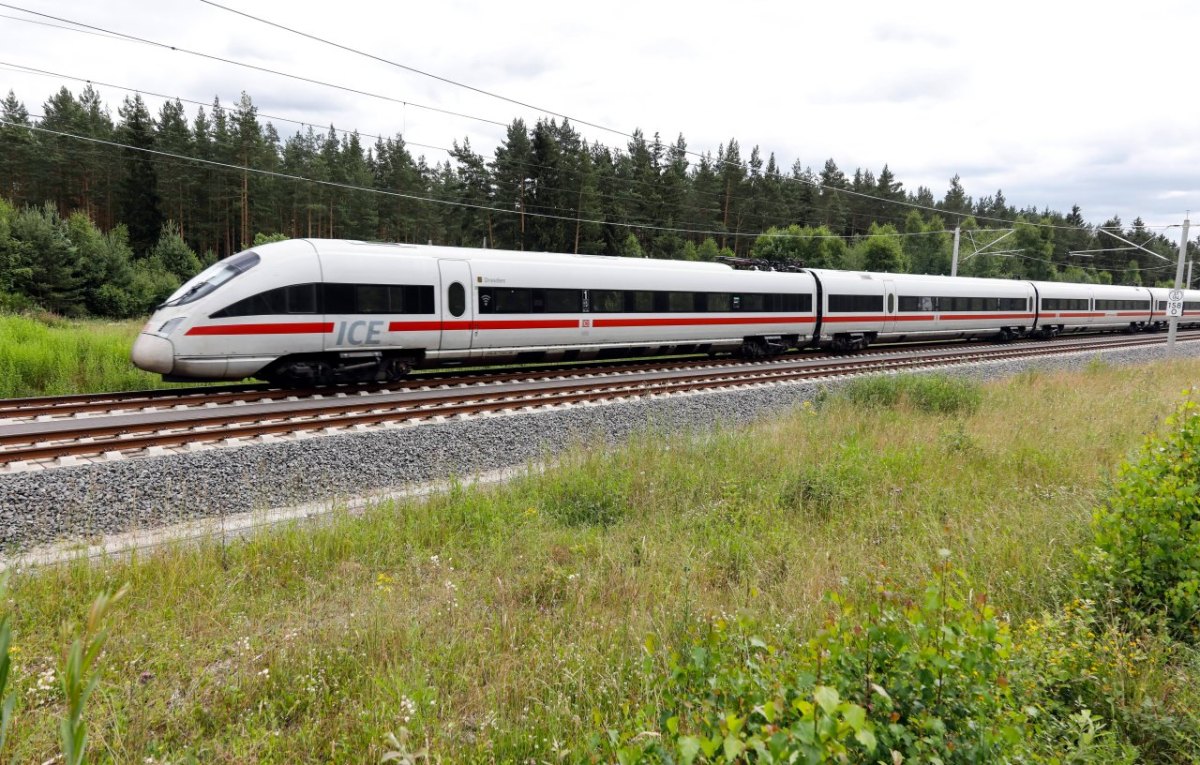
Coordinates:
310	311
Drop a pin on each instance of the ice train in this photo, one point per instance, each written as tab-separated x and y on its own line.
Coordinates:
317	311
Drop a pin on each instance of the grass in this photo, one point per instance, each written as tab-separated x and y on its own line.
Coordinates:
43	354
508	624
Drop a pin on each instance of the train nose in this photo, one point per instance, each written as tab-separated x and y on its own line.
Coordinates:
153	353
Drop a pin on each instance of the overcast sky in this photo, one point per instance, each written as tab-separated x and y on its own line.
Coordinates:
1056	103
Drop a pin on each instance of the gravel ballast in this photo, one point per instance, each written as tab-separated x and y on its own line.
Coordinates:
86	501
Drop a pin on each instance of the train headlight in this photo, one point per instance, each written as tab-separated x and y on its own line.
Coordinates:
167	328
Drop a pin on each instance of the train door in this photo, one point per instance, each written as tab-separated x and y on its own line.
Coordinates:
457	309
889	306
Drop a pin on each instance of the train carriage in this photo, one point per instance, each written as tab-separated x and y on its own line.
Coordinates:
311	311
861	307
1065	307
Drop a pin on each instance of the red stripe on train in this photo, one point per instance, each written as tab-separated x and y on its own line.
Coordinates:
681	322
293	328
930	317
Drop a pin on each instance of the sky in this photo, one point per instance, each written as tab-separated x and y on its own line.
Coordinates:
1054	103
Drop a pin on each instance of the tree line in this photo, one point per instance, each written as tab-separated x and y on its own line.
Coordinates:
107	226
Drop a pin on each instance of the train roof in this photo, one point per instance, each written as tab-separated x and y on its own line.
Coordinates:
872	275
332	246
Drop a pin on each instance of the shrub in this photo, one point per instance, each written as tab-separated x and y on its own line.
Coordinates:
1146	551
907	679
1088	678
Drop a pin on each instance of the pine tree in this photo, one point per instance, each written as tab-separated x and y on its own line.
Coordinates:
140	208
956	201
18	149
835	211
511	171
175	177
733	177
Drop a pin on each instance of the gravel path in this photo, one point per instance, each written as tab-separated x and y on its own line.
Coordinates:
77	503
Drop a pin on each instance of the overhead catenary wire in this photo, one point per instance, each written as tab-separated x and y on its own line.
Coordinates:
791	179
351	187
407	142
433	200
482	91
320	126
417	197
266	70
47	73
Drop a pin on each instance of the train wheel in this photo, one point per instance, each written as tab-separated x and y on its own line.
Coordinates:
753	348
393	368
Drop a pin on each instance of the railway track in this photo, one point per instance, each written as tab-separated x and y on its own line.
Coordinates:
63	431
47	407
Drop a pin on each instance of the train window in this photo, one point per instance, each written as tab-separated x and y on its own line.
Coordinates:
917	303
456	299
855	303
781	302
410	298
718	301
1122	305
639	301
372	298
1162	305
339	298
297	298
1191	305
891	303
213	277
754	303
486	299
736	301
681	302
504	300
960	304
559	301
302	298
607	301
1065	304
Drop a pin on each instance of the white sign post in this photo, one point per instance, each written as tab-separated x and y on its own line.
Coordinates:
1175	304
1176	296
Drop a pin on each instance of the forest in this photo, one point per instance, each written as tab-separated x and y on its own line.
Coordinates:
102	216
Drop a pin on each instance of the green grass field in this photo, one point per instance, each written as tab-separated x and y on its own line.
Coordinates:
509	624
48	355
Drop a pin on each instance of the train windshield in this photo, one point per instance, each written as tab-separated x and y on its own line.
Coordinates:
212	277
